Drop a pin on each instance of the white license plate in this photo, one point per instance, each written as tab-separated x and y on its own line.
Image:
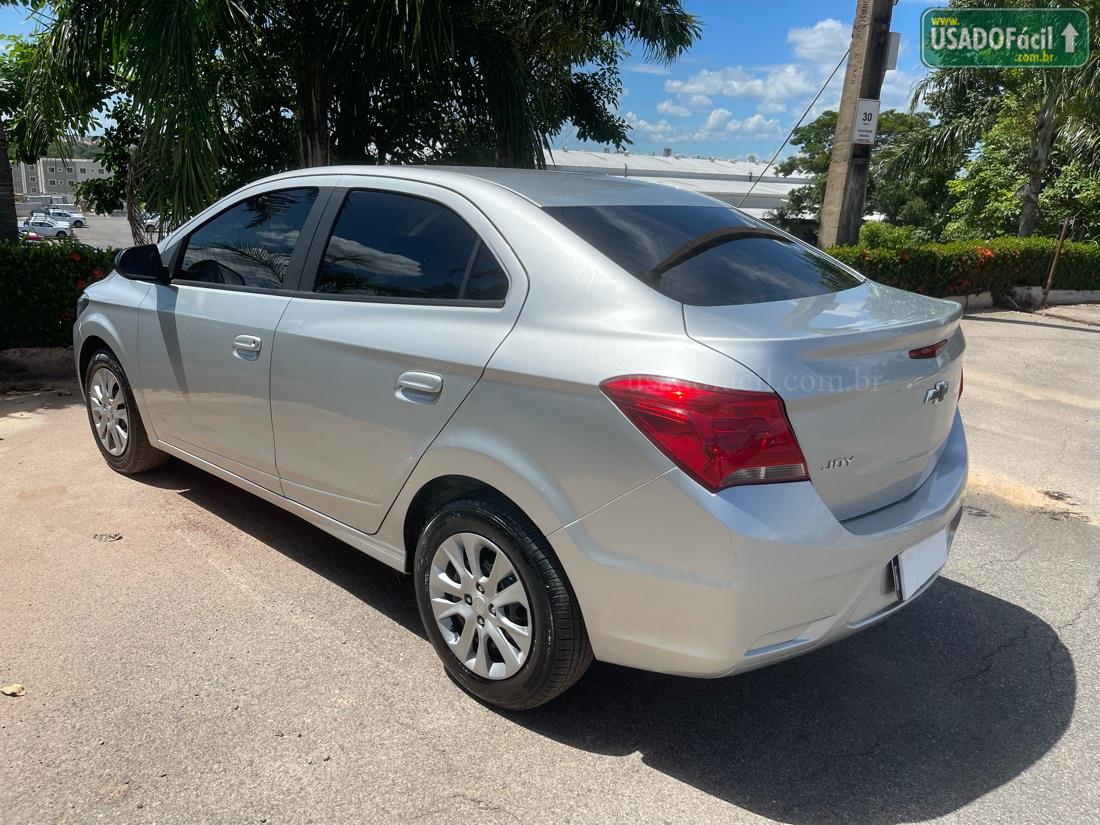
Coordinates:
922	561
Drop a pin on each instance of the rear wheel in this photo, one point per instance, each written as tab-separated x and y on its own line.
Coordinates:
116	424
497	607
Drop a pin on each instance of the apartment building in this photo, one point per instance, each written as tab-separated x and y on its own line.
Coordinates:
53	176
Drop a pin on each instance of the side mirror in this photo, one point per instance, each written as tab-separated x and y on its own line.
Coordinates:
142	263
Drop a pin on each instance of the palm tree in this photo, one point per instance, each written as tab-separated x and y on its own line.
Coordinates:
506	64
9	223
968	102
161	55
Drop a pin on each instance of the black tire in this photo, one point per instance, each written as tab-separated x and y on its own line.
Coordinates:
139	454
79	225
560	652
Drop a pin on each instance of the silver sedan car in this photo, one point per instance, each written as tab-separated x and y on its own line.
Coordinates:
593	417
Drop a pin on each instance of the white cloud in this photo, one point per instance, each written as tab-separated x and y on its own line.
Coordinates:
646	68
823	42
717	119
897	88
755	125
753	106
737	82
667	107
719	124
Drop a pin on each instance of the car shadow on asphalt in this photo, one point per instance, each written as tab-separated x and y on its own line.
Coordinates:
942	703
367	579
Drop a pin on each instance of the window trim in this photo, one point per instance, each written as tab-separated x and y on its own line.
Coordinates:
302	244
335	205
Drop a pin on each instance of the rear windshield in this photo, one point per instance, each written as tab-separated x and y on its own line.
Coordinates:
705	255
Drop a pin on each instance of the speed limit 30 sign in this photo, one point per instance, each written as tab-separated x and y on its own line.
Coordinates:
866	121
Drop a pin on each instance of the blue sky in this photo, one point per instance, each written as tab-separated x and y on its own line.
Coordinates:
744	84
751	75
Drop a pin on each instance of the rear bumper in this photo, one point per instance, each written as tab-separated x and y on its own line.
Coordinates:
672	578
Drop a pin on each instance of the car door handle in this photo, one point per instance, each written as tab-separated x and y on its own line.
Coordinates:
419	387
247	343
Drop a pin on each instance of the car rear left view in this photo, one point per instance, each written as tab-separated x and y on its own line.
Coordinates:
592	417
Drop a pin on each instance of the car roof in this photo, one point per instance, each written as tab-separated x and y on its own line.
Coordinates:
539	186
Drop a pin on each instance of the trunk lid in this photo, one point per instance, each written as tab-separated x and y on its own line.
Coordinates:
856	400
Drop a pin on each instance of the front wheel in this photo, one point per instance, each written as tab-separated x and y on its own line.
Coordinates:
116	423
497	607
60	234
79	224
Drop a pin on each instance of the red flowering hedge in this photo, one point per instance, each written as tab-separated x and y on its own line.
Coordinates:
39	285
969	267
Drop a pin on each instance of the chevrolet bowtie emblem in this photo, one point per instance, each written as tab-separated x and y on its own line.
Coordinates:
937	393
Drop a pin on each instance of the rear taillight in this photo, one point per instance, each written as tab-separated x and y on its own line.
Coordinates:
930	351
720	437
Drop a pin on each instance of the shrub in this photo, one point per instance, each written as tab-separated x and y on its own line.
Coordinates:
882	235
39	285
968	267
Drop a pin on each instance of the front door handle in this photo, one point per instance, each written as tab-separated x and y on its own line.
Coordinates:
419	387
247	343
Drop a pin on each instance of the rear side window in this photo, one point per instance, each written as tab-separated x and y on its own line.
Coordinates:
705	255
249	244
487	281
387	245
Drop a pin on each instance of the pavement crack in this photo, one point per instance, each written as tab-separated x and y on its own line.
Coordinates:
989	658
1089	604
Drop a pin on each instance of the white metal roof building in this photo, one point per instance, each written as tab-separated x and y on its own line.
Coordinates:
727	180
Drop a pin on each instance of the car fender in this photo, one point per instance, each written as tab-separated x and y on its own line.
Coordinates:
117	329
538	497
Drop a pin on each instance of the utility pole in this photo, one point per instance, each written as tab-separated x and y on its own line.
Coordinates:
846	186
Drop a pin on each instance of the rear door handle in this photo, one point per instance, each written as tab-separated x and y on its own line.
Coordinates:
419	387
247	343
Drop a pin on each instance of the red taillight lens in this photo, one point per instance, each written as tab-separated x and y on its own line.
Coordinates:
930	351
720	437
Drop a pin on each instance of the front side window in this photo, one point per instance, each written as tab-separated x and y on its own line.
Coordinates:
249	244
705	255
386	245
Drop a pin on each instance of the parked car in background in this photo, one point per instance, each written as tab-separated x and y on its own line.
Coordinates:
27	235
151	223
48	227
72	217
593	417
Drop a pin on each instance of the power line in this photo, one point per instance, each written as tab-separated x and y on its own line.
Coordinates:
820	92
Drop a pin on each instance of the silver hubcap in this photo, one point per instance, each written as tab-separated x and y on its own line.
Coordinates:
480	606
110	416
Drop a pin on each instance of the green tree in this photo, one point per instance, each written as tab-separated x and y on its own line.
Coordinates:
211	80
987	191
114	153
914	199
16	56
968	103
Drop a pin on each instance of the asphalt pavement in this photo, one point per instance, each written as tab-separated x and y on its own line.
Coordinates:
223	661
106	231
